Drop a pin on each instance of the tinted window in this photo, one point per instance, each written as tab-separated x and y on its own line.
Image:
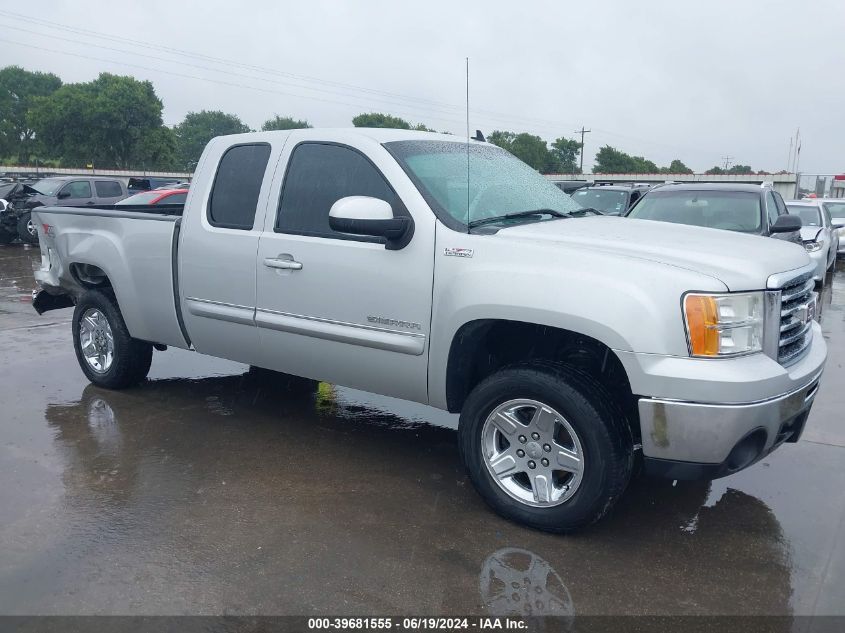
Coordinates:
731	210
234	194
176	198
108	189
78	189
318	176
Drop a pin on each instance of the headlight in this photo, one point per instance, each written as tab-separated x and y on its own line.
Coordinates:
724	324
812	247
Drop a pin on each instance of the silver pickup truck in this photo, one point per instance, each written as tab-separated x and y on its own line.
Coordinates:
446	272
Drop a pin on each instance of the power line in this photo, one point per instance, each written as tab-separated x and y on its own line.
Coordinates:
582	132
727	160
453	109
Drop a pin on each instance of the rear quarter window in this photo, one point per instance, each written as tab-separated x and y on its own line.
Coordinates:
234	194
108	189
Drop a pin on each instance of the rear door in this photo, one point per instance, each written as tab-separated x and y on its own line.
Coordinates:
108	191
354	313
218	244
79	193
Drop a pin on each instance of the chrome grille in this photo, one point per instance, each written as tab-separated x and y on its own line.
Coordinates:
795	333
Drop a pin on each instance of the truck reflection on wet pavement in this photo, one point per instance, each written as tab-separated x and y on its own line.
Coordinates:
206	490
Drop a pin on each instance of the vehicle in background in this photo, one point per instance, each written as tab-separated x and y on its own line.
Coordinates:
610	199
570	354
156	197
751	209
568	186
820	238
836	208
137	185
59	191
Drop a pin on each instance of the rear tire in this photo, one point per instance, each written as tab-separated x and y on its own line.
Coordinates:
585	423
26	229
108	355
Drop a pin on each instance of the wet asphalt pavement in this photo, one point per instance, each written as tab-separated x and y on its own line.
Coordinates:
205	491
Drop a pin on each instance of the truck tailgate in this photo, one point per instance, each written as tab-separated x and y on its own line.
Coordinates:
135	251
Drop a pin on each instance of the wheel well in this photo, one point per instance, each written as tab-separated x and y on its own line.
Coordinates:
90	276
481	347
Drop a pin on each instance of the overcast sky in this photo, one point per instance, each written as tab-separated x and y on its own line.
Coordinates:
676	79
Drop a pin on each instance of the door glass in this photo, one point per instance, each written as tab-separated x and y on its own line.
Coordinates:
237	184
78	189
318	176
771	208
108	189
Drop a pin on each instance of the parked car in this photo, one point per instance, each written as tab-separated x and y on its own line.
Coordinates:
156	197
752	209
821	238
351	256
609	199
148	183
57	191
836	208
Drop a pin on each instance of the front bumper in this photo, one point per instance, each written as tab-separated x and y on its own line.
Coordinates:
690	440
705	418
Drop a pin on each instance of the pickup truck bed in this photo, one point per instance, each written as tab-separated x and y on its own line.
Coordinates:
145	286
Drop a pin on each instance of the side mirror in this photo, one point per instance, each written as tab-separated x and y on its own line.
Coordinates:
363	215
786	224
63	194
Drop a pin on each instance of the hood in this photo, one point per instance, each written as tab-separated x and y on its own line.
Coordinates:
741	262
809	233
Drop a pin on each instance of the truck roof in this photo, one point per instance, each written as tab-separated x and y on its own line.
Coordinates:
379	135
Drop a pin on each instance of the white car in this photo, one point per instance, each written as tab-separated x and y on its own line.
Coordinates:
820	236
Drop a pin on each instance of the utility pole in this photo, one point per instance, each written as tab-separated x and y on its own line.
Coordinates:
582	132
727	160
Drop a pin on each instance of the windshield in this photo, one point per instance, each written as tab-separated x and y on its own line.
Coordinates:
5	190
606	200
836	209
731	210
499	183
48	186
810	216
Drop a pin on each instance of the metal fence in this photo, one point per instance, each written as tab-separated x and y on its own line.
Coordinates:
822	185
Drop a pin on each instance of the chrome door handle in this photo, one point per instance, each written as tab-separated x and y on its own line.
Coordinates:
285	264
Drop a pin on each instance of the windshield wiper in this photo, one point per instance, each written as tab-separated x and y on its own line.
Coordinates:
585	211
518	214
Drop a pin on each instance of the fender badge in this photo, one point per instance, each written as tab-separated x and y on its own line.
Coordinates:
453	251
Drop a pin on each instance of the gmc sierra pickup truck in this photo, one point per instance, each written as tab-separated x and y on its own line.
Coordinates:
447	272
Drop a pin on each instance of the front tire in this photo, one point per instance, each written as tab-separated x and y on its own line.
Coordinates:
545	445
26	229
107	354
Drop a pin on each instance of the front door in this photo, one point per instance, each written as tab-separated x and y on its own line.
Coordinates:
344	309
76	193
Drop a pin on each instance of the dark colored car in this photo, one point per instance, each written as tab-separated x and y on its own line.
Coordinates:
755	209
610	199
137	185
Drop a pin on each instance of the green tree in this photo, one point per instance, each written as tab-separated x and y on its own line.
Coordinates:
19	89
676	167
157	150
198	128
528	148
421	127
102	121
740	169
377	119
610	160
564	153
284	123
715	171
